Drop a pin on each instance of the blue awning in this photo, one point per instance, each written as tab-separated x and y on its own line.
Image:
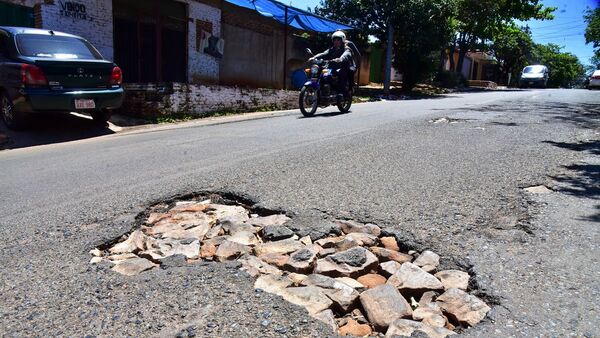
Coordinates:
296	18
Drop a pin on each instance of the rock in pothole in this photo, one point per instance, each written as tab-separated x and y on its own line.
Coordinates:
344	273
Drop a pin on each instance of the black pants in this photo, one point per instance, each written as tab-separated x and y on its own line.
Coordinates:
343	80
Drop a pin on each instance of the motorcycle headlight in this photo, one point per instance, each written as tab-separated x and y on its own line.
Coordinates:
314	70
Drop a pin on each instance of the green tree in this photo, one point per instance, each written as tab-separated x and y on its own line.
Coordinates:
592	32
512	46
422	29
478	21
565	68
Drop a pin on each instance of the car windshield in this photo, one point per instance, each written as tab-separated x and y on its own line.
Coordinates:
533	69
55	47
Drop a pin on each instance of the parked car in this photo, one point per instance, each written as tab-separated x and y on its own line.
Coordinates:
534	76
594	80
45	71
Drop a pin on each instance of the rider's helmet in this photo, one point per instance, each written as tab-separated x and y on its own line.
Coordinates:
339	35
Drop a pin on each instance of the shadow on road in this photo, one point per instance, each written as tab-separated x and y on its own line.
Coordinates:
53	128
330	114
584	178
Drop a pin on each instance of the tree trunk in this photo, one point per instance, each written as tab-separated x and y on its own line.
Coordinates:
388	61
461	60
451	57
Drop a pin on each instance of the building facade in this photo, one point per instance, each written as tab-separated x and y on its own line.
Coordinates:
152	40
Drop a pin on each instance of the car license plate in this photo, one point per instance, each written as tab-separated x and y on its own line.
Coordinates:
85	104
530	83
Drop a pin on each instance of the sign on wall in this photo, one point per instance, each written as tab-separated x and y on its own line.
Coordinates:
75	10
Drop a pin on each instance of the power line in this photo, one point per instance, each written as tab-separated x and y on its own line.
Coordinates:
558	28
558	24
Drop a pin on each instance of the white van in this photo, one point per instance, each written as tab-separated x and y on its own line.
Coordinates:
534	76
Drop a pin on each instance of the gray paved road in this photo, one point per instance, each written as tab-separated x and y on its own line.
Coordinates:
455	188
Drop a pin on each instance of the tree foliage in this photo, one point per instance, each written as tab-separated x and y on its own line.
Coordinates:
479	21
422	29
592	32
565	68
512	46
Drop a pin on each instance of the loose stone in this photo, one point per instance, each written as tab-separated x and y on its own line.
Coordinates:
328	318
276	233
390	255
462	307
372	280
302	261
278	260
353	283
254	266
406	328
351	263
285	246
390	243
313	299
383	305
349	227
389	268
273	220
353	328
137	241
208	251
343	296
297	278
413	279
245	238
454	279
133	266
428	261
232	213
272	283
320	231
231	250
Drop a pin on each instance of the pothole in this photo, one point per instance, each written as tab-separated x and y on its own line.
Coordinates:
345	273
448	120
538	189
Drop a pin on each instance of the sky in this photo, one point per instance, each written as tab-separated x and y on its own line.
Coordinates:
567	29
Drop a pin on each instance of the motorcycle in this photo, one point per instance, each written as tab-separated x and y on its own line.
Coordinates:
321	89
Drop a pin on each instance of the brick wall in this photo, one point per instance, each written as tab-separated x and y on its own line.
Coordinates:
96	26
148	101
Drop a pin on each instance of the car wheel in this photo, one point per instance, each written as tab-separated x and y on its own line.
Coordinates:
102	117
12	119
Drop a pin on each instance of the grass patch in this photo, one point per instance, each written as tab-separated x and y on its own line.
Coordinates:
183	117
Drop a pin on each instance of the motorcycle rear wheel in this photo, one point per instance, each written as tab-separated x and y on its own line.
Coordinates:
309	101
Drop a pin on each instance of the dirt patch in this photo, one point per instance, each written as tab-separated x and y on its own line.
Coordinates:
353	276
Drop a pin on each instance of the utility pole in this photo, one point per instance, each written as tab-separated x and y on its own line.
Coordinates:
285	56
388	61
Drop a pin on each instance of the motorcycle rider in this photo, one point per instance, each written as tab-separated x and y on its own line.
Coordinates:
340	61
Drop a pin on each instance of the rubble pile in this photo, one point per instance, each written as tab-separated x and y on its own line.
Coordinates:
344	273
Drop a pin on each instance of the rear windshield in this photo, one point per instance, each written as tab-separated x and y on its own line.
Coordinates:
55	47
533	69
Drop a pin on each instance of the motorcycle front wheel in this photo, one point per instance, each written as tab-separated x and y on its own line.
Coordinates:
309	101
344	106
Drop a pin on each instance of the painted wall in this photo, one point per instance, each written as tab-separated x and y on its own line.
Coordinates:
96	25
203	68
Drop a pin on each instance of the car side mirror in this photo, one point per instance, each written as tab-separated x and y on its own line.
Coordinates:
309	51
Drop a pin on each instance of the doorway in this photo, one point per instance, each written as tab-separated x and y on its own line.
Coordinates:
150	40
